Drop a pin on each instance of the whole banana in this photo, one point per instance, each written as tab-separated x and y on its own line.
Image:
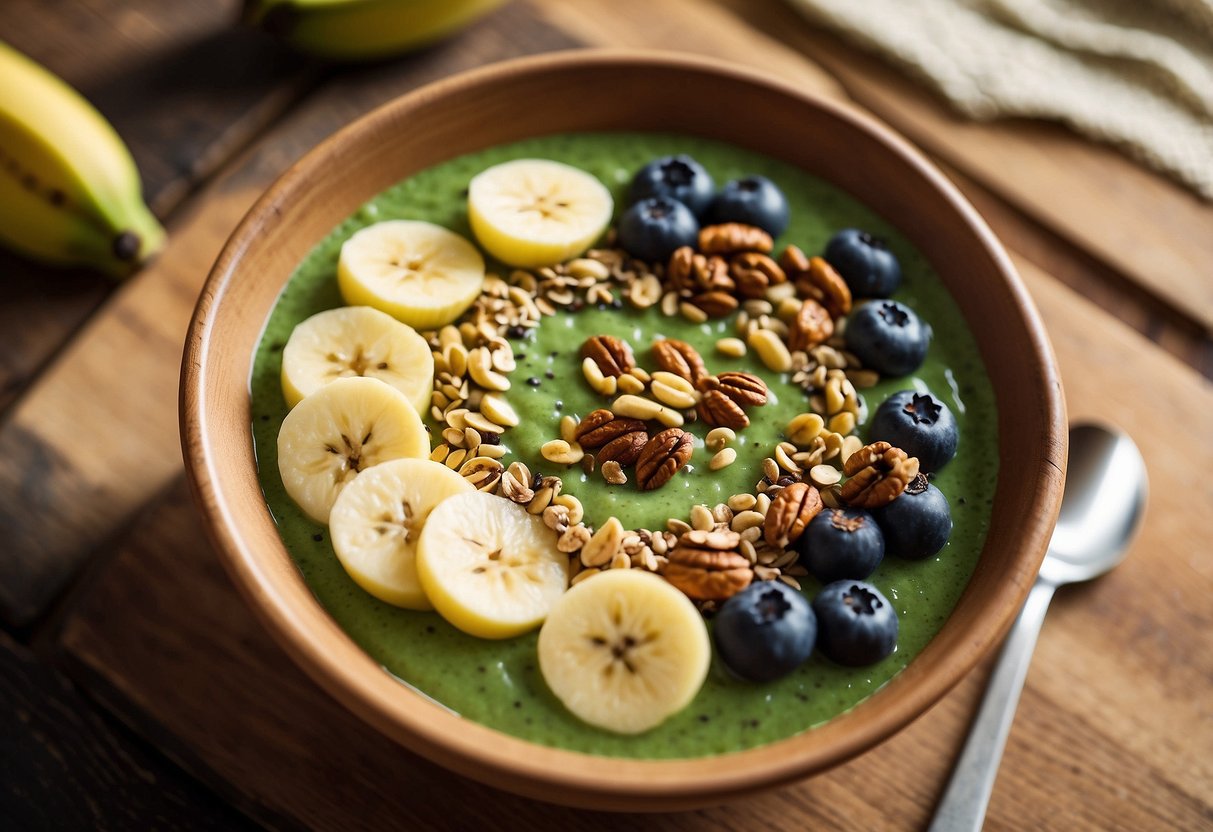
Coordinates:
363	29
69	190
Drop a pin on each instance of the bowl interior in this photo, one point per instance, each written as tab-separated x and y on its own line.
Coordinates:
588	91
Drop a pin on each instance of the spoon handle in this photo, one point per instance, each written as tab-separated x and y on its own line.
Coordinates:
963	805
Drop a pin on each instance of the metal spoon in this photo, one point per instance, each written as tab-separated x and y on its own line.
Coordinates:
1100	510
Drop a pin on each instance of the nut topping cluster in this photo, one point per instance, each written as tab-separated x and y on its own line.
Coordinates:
791	312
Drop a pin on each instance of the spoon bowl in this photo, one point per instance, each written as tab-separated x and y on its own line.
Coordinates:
1105	495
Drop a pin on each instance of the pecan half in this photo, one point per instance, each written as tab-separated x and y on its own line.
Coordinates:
747	389
732	237
715	304
662	458
820	280
624	449
790	512
811	326
612	355
601	426
679	358
754	273
878	474
707	566
719	410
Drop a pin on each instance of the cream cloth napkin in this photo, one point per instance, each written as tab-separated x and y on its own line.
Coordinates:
1135	73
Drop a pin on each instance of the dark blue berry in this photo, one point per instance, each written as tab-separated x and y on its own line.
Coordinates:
918	523
841	543
678	177
865	263
920	424
765	631
653	228
888	337
856	624
753	200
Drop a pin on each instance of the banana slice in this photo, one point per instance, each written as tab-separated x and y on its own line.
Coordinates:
377	520
488	567
343	428
624	650
357	341
417	272
535	212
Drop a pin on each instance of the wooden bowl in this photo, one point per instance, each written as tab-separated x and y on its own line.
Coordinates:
604	90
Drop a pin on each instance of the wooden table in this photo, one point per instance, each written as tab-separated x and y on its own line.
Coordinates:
138	689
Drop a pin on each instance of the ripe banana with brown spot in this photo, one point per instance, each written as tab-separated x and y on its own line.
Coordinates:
69	190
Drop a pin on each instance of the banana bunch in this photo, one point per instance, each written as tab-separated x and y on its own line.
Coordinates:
363	29
69	190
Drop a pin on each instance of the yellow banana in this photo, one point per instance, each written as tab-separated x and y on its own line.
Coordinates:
363	29
69	190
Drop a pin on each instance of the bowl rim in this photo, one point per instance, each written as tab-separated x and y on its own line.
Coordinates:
304	629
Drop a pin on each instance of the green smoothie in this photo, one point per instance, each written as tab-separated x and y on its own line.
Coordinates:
497	683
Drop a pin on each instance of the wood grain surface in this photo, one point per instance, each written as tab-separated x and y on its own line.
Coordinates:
1114	731
66	765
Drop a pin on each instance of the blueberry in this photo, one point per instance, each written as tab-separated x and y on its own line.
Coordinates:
754	200
920	424
653	228
841	543
918	523
865	263
856	624
888	337
678	177
765	631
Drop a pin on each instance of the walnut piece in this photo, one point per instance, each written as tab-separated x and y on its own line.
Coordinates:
878	474
601	426
811	326
663	457
707	566
715	304
612	355
697	272
821	282
755	272
719	410
679	358
793	261
732	237
793	507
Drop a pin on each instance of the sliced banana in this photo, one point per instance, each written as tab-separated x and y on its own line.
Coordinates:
343	428
488	567
377	520
535	212
624	651
357	341
417	272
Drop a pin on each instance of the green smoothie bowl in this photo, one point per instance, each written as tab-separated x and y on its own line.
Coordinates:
621	405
